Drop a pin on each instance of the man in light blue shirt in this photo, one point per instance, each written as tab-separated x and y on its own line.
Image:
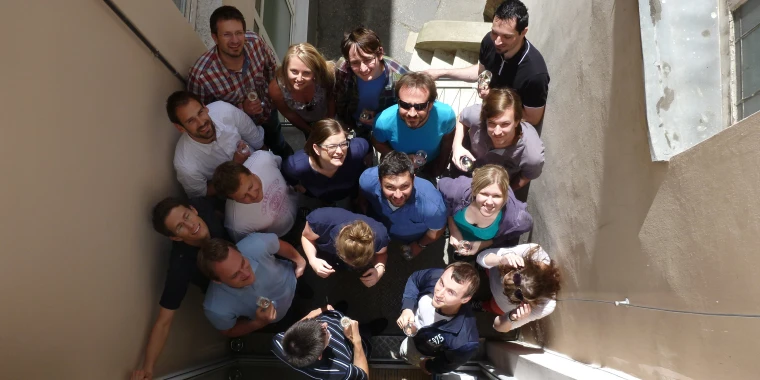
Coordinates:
411	208
417	123
242	274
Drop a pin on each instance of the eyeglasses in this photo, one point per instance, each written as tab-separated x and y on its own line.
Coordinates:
333	147
517	280
418	106
366	62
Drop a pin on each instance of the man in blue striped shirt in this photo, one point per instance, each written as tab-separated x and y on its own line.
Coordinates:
320	348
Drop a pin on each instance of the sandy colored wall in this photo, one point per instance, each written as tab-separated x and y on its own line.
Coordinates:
86	151
681	235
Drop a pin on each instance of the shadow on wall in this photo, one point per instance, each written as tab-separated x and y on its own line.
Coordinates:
614	266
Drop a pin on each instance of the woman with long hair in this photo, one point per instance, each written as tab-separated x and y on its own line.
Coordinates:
482	210
302	89
524	283
335	239
497	134
329	166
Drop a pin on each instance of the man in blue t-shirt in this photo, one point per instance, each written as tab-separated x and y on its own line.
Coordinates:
242	274
417	123
411	208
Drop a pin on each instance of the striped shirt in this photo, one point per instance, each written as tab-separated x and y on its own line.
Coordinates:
337	359
212	81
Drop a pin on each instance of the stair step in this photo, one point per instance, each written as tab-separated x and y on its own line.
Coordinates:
465	58
442	59
420	60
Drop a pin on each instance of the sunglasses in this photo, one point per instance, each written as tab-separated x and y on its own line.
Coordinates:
517	279
418	106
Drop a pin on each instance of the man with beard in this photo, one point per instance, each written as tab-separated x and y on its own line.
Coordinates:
418	125
238	70
211	135
411	208
514	62
441	330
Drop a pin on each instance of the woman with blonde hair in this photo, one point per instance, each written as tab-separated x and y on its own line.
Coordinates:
524	283
335	239
329	166
302	89
482	210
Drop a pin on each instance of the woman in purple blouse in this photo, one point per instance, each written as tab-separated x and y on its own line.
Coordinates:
329	166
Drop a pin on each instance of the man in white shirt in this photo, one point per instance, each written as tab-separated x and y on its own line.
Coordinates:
211	134
259	198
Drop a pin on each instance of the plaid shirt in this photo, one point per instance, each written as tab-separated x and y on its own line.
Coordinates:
211	81
348	92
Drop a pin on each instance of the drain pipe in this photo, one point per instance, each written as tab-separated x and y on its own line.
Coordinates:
144	40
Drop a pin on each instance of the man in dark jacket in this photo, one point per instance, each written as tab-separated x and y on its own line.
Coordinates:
441	329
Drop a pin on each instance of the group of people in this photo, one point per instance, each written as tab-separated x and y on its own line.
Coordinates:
237	232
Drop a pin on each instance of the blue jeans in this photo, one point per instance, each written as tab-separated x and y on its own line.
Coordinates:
273	137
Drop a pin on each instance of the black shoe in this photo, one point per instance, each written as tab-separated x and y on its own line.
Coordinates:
376	326
304	291
342	307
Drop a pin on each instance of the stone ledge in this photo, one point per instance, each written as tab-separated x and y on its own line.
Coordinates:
452	35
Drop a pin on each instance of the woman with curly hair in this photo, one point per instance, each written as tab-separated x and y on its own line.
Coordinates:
524	283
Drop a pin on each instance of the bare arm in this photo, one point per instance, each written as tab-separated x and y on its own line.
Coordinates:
279	101
381	147
360	359
320	267
442	161
467	74
157	339
533	115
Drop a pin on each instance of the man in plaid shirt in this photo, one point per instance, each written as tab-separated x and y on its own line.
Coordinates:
364	80
238	71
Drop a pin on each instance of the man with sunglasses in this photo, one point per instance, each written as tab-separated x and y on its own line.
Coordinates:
365	80
441	330
417	124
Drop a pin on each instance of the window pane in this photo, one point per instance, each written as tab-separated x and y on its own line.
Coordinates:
750	63
277	24
749	15
751	106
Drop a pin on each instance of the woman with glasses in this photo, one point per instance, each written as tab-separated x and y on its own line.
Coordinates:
303	86
482	211
524	283
498	135
329	166
337	239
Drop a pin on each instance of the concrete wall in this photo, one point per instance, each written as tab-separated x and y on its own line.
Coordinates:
86	151
680	236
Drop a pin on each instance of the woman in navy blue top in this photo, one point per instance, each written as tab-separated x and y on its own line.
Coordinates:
329	166
335	238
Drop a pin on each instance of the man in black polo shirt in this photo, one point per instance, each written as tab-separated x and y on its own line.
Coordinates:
188	224
512	59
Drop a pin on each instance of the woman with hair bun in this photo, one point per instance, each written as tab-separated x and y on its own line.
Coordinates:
524	283
335	239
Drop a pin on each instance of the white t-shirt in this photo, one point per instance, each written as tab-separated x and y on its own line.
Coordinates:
195	162
426	315
276	213
544	306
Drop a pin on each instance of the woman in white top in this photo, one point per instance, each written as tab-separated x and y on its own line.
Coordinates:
524	283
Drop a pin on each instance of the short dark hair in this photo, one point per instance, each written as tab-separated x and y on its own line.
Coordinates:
226	179
463	272
303	343
364	39
176	100
513	9
162	209
395	163
224	13
418	80
213	251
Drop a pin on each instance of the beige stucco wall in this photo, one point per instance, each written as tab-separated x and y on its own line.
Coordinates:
85	152
682	235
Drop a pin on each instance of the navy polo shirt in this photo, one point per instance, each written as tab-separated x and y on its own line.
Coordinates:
327	223
525	72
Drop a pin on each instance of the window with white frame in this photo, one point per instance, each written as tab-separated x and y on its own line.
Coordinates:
747	57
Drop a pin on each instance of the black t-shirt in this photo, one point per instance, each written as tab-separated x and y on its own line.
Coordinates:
525	72
183	269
